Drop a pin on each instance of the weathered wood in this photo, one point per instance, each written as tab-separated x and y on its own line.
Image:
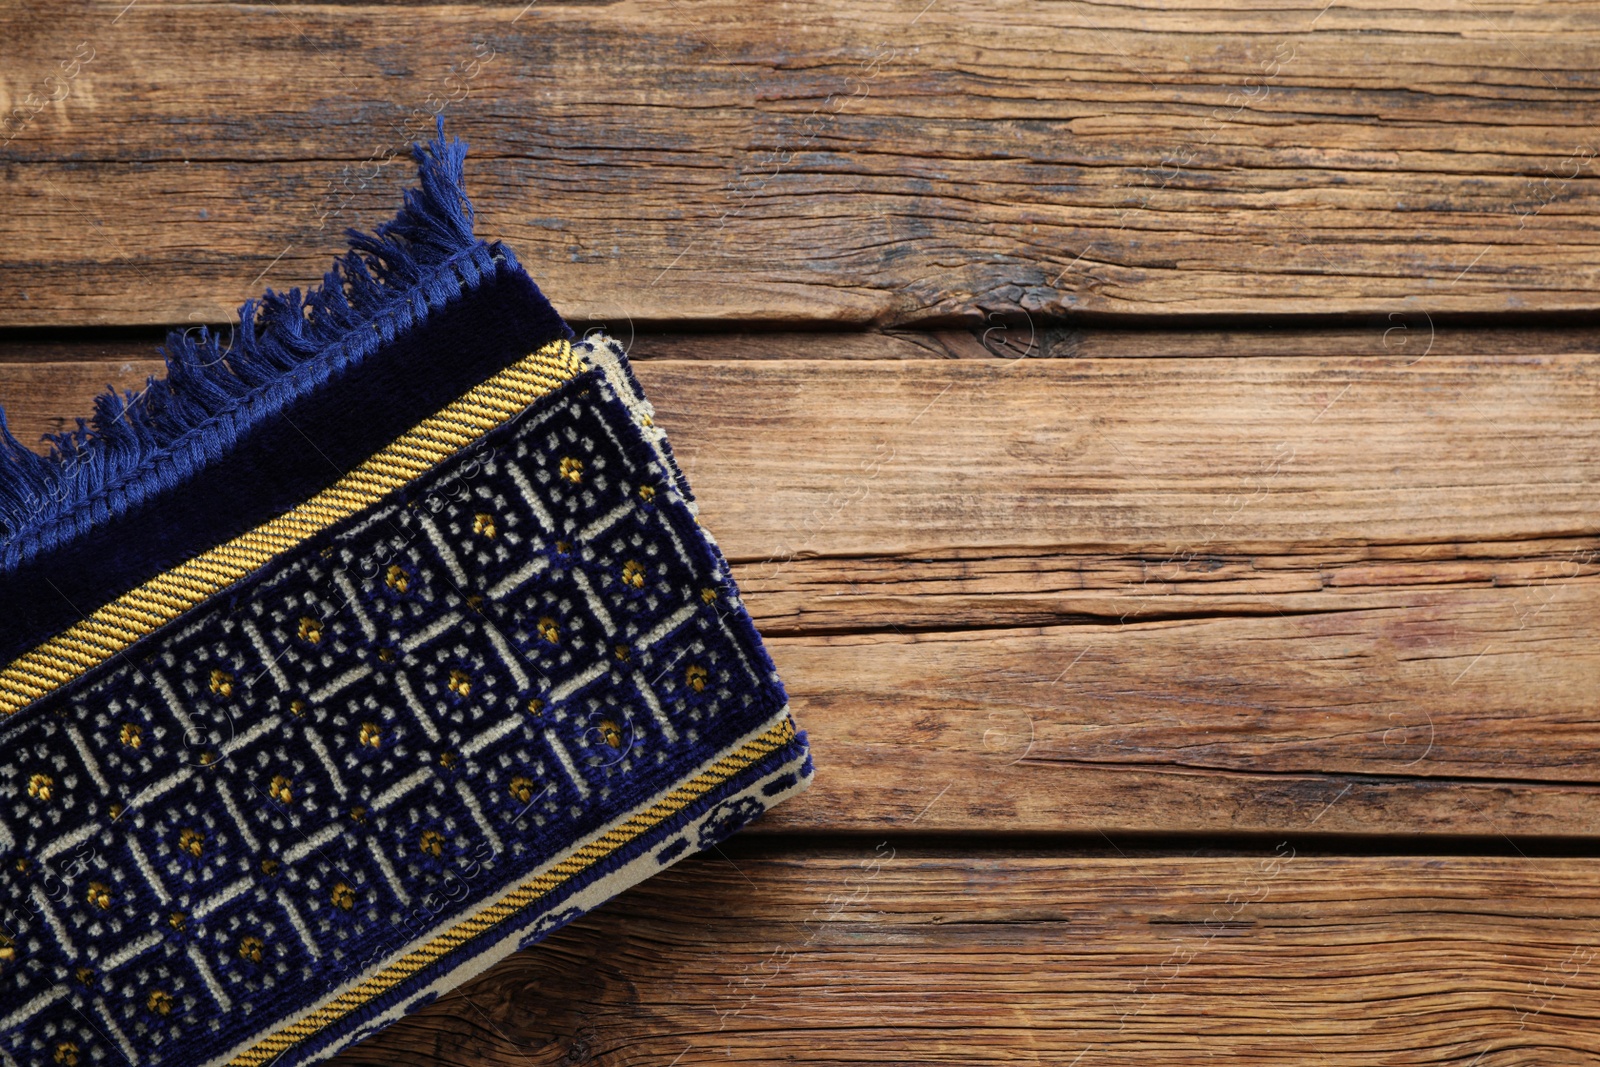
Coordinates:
1463	712
1172	457
41	398
1251	715
884	954
966	589
1160	456
1322	642
1143	587
819	161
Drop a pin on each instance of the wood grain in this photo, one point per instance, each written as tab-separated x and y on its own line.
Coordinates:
1176	457
1447	718
1225	476
889	954
855	458
1099	593
820	161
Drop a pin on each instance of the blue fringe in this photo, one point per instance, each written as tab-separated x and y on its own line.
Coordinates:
286	343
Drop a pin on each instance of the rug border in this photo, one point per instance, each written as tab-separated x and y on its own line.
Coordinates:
62	659
644	864
779	730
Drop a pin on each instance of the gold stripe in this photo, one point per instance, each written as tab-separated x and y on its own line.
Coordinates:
634	826
110	629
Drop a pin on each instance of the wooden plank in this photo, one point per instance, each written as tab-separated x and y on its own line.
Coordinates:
41	398
809	458
1463	712
1088	663
969	589
887	954
821	161
847	458
1331	643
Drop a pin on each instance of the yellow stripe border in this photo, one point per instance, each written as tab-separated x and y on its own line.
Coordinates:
637	824
110	629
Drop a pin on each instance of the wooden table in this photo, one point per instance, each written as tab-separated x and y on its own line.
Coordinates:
1160	444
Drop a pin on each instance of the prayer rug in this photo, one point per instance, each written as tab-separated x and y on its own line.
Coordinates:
357	653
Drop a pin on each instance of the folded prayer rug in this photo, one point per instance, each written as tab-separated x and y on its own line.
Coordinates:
357	653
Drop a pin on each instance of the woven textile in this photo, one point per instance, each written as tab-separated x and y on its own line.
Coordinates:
351	657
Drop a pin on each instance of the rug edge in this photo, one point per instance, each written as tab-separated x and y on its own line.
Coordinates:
270	1047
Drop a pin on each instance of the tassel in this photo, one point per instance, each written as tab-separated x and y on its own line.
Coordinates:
420	258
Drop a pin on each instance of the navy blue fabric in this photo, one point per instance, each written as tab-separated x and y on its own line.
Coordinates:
140	443
668	841
430	641
282	461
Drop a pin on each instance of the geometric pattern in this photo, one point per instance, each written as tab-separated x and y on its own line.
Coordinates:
221	845
115	625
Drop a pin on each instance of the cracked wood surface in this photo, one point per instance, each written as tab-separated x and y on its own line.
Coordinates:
1180	594
1108	640
879	162
881	953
